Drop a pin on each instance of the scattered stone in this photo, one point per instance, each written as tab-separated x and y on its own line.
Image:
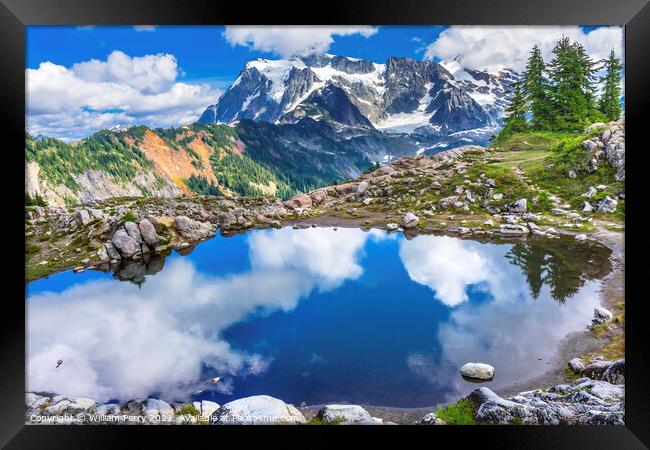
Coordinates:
577	365
586	207
520	206
479	371
83	216
513	229
580	237
590	192
571	174
392	226
410	220
602	315
607	205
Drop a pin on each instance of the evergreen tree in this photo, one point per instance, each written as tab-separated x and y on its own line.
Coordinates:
572	86
610	104
536	90
515	113
587	75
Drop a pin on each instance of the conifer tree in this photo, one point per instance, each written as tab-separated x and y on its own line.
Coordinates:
536	90
515	113
610	104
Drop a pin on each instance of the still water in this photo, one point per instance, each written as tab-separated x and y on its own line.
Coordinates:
313	315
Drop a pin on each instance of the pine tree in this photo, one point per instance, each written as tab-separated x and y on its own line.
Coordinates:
587	74
610	104
536	90
572	74
515	113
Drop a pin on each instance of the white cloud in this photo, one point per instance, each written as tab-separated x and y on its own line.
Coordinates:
494	47
119	340
74	102
144	28
291	40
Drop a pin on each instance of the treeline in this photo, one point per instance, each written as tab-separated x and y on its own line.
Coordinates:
561	95
103	151
201	186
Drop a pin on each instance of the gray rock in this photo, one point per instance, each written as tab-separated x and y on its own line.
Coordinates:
602	315
586	207
258	409
431	419
607	205
577	365
347	415
520	206
596	369
590	192
362	187
125	244
134	231
112	251
392	226
148	232
615	373
83	216
192	229
513	229
479	371
410	220
158	410
571	174
580	237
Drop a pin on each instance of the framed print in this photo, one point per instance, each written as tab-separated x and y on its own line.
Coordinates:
412	217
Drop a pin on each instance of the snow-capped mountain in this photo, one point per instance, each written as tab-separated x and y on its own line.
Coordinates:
401	96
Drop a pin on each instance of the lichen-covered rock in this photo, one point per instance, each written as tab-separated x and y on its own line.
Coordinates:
583	402
615	373
602	315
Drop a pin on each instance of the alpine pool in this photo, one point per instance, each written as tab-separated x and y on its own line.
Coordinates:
313	315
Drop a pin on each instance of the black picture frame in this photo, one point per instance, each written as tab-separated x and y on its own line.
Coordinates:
634	14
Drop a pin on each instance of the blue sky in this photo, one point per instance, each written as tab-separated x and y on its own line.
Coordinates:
81	79
202	52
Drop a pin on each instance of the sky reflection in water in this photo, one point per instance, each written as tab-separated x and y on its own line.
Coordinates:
312	315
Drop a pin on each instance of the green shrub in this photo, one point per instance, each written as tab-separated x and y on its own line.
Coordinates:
460	413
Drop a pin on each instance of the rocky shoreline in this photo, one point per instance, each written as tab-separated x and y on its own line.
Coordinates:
597	399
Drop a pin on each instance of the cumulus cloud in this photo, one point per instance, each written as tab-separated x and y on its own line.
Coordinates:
118	340
291	40
494	47
76	101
